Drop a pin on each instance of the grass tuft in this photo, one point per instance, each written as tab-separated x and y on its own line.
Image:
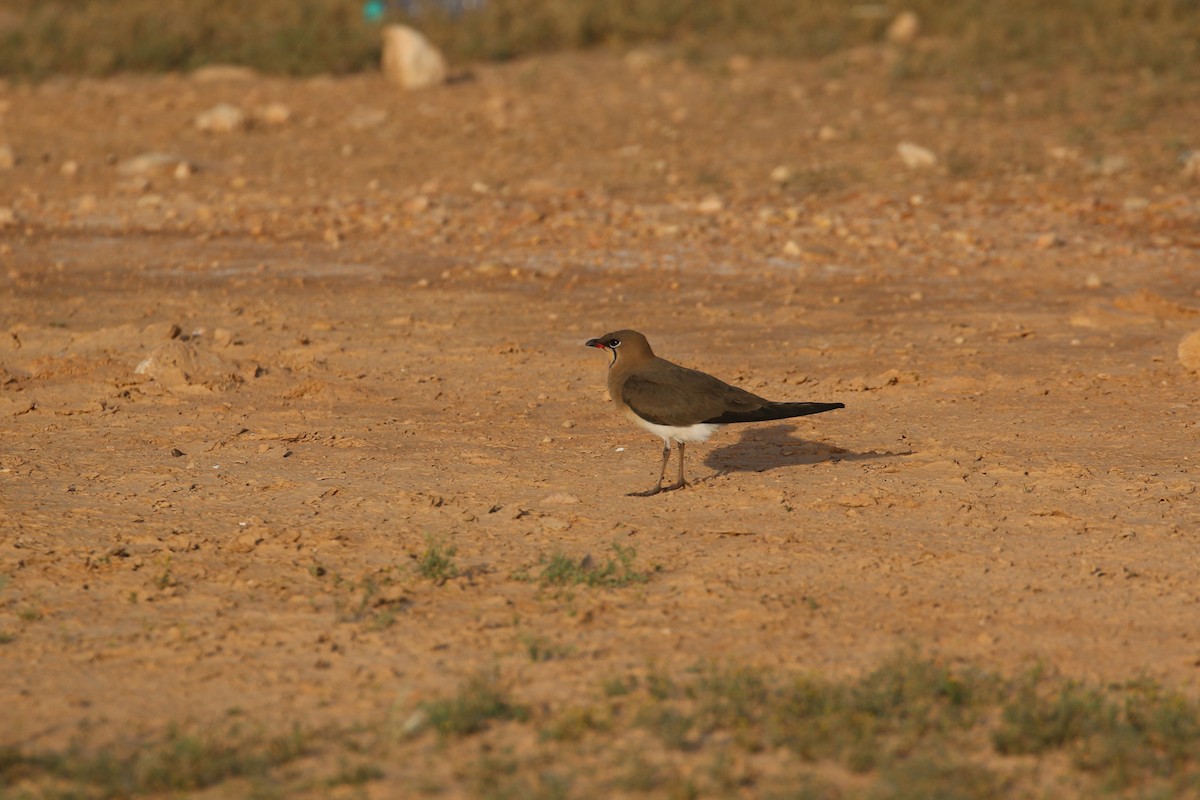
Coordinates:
437	562
479	702
563	572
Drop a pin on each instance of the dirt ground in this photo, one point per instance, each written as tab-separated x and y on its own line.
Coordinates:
243	397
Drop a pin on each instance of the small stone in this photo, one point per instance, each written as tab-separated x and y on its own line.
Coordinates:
177	453
221	118
8	159
1189	351
410	60
183	170
214	73
790	248
1109	166
710	205
914	156
1048	241
781	174
570	423
245	542
152	163
1093	281
7	217
69	169
560	499
904	28
273	114
827	133
1190	161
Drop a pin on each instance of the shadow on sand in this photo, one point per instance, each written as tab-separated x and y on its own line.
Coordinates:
765	448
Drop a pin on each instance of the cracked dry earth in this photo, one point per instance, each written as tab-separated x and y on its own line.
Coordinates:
241	398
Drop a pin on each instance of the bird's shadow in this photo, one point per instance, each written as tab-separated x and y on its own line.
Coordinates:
760	449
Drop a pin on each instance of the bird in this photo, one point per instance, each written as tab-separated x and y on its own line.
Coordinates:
680	405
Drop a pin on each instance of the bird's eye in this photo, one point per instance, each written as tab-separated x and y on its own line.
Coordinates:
613	342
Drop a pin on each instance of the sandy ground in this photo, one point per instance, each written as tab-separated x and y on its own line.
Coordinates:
240	398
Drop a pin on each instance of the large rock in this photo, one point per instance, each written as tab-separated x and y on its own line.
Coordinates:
1189	351
410	60
221	118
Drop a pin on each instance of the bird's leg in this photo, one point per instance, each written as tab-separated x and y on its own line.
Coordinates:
662	470
679	484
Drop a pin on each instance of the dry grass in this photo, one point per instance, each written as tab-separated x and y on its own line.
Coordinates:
98	37
911	728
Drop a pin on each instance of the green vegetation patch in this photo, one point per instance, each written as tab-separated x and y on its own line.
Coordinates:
99	37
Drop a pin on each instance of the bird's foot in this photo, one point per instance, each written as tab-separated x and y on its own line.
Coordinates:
657	489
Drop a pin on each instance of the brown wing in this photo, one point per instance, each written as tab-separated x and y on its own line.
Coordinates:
674	395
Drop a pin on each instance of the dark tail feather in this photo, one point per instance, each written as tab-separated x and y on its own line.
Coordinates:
775	411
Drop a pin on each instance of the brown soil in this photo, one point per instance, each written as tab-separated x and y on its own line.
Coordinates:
381	304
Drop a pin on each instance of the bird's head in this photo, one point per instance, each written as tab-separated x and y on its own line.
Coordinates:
627	345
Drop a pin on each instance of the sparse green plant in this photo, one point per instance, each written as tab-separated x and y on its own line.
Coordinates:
540	648
563	572
311	36
178	763
480	701
165	579
437	562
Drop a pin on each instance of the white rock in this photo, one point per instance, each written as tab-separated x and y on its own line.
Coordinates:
1189	351
410	60
214	73
149	164
711	205
904	28
914	156
221	118
781	174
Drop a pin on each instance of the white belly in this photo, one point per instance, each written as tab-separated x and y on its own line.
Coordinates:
679	433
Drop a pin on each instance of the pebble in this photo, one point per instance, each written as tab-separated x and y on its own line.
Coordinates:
1190	161
149	164
710	205
1093	281
223	72
916	157
410	60
560	499
1109	166
8	159
69	169
221	118
273	114
904	28
7	217
781	174
1048	240
1189	351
